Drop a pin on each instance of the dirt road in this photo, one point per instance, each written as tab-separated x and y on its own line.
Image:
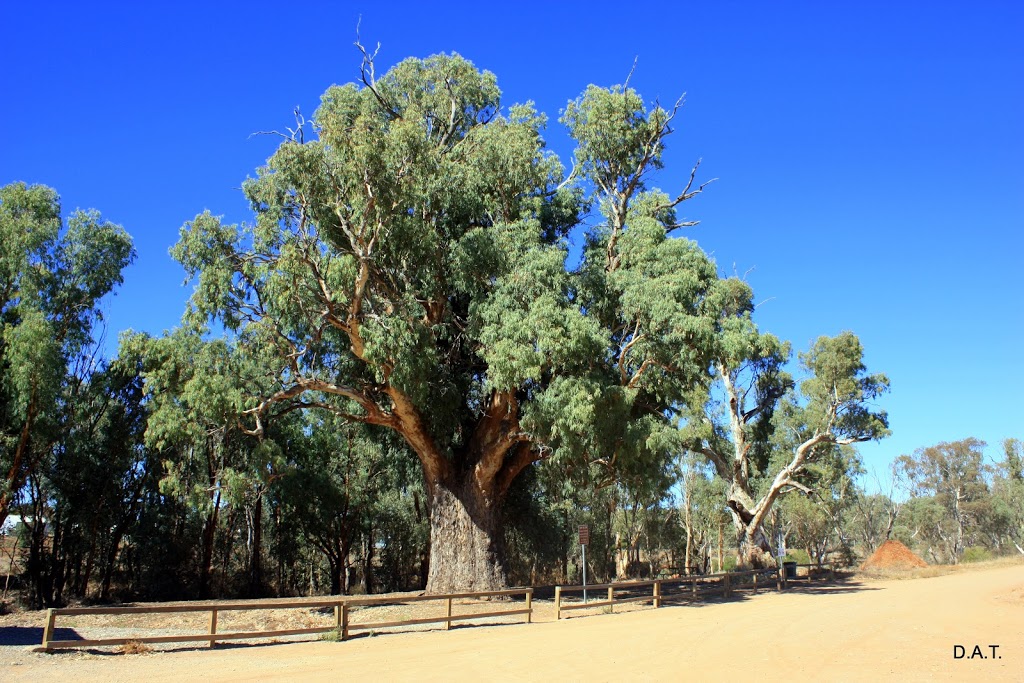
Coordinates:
862	630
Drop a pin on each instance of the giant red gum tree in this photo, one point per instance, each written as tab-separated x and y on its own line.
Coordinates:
407	268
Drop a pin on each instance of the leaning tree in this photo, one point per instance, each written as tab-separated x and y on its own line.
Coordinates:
408	267
764	433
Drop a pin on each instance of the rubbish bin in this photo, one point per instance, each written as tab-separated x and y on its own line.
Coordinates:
790	568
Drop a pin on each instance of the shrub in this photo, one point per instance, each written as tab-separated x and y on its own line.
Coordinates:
976	554
797	555
134	647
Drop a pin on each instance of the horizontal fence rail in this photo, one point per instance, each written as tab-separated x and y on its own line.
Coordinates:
725	584
447	619
652	591
341	607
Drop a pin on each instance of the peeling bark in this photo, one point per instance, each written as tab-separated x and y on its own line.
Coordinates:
466	546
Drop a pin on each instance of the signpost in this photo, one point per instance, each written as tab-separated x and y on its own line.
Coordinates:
584	542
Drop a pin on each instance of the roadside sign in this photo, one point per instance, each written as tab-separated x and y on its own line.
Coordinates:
584	534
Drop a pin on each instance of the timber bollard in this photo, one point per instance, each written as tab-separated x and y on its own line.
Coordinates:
51	616
657	594
213	626
558	603
725	585
611	600
529	606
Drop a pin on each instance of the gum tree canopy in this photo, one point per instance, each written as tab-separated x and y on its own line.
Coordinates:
53	274
407	268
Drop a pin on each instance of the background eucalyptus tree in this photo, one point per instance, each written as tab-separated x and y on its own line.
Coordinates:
760	432
52	277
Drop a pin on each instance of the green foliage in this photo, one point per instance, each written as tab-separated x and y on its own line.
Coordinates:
976	554
53	274
839	390
537	532
954	476
332	636
797	555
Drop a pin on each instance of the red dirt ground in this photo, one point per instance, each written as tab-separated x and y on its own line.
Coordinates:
893	555
920	626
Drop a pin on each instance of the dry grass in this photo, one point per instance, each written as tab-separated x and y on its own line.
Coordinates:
134	647
932	571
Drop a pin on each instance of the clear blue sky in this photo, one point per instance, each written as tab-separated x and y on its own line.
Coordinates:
870	154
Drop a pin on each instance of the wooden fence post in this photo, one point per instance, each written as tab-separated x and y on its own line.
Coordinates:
51	616
558	603
344	620
611	599
657	594
448	624
693	587
213	625
725	585
755	583
529	605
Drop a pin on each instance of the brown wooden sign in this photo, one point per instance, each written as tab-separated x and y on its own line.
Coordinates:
584	534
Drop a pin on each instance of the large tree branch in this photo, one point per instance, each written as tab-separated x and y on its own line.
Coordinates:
687	193
497	431
719	461
785	476
634	338
522	456
412	427
369	78
374	413
16	477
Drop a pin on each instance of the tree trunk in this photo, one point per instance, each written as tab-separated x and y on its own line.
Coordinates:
369	582
254	518
688	518
466	548
110	562
752	545
17	474
206	559
337	570
755	550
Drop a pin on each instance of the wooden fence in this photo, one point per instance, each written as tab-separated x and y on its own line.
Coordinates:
723	584
341	606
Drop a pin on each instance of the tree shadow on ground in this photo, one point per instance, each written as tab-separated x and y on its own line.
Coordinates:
842	584
33	635
681	594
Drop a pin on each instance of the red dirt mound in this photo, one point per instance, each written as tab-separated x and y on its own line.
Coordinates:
893	555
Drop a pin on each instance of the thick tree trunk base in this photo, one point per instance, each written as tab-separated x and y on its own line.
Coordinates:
754	551
466	549
755	557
